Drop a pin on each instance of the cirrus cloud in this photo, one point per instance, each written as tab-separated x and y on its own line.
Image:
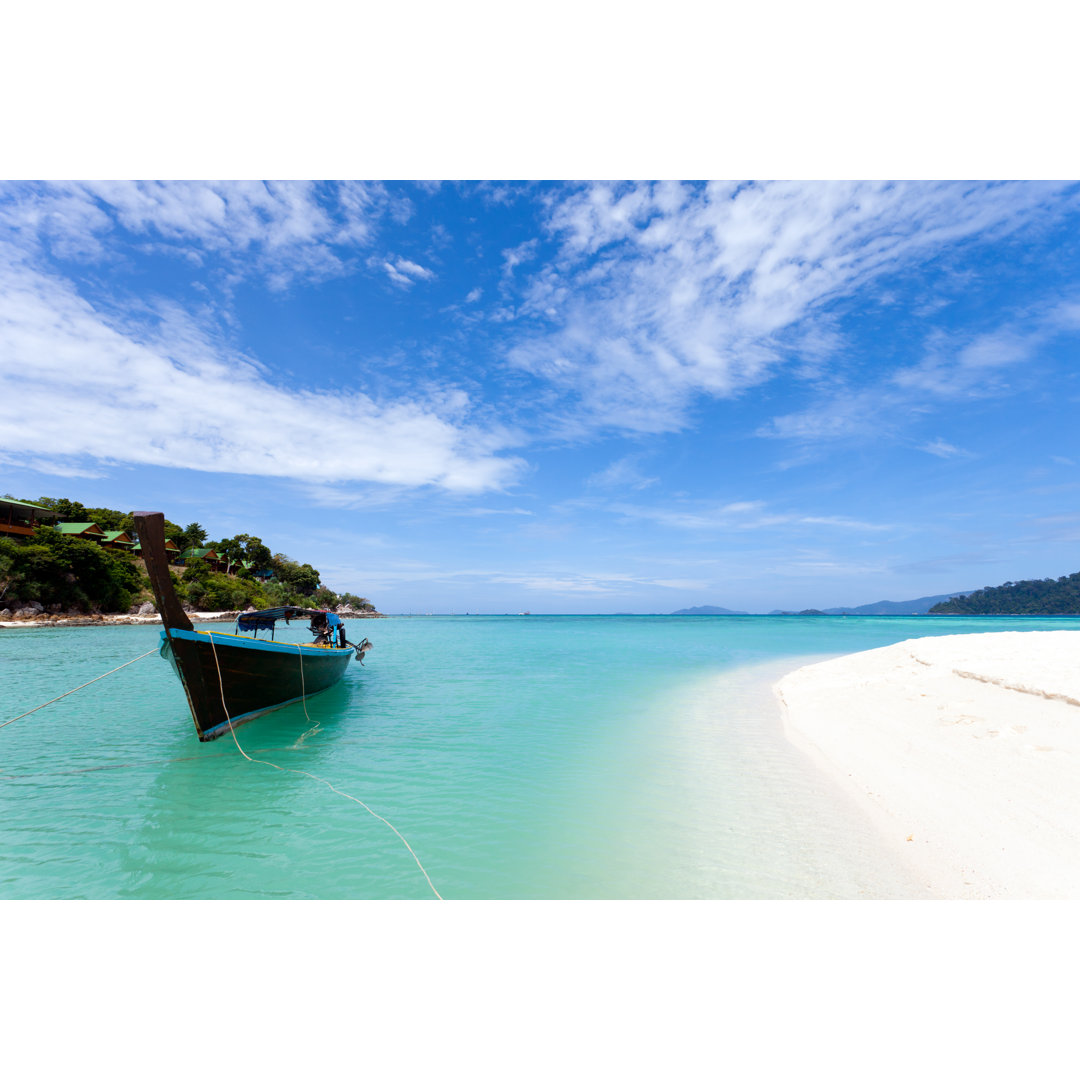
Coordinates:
659	293
84	384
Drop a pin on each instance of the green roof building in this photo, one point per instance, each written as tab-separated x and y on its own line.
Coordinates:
19	518
81	528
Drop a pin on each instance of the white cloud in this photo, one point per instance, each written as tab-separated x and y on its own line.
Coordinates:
977	368
77	383
942	449
281	230
664	292
515	256
474	295
405	273
736	517
953	367
621	474
845	415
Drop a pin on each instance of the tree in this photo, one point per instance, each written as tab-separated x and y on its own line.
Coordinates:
303	578
244	548
68	510
323	597
53	568
194	536
108	519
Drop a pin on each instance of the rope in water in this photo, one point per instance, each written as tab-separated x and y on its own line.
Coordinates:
302	772
232	731
84	685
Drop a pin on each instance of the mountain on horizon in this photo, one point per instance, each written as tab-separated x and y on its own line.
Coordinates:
708	609
921	606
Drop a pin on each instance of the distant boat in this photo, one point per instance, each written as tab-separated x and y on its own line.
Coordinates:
228	678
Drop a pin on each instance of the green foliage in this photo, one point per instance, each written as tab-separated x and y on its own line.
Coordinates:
9	551
68	510
101	515
211	591
194	536
1045	597
110	519
244	548
77	572
354	601
303	578
323	597
69	571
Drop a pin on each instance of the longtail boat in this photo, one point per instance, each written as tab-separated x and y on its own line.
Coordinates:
229	678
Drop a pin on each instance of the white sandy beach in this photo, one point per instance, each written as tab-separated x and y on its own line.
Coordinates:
111	620
964	749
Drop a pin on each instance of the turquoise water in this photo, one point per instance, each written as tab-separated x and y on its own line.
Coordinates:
538	757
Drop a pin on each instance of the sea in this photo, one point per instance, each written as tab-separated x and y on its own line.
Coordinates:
471	757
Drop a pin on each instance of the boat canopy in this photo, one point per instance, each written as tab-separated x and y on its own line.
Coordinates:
266	620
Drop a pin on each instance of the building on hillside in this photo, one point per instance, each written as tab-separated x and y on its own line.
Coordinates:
86	529
19	518
206	555
118	540
262	575
171	550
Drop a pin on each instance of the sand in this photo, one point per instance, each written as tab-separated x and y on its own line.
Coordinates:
965	751
112	620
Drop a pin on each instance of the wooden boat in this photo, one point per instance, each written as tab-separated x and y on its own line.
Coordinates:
229	678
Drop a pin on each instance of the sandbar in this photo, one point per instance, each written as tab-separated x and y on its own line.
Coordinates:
965	751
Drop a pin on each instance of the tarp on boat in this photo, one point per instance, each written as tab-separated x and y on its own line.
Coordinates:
265	620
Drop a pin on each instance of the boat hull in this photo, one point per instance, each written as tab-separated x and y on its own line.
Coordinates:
230	679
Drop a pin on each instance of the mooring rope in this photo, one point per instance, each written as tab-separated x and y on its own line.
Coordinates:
302	772
303	701
84	685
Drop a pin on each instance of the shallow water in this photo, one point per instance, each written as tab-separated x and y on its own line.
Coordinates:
522	757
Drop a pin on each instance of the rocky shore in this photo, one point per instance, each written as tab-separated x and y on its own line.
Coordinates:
33	614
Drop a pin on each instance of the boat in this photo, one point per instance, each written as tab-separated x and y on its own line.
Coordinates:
230	679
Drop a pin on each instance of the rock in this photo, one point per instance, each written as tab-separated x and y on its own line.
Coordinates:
146	609
33	606
5	614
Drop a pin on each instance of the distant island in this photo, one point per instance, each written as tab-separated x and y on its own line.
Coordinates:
708	609
1037	597
921	606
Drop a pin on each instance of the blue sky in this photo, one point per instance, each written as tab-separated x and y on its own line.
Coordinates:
580	397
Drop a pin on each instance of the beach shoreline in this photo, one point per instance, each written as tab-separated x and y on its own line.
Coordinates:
963	749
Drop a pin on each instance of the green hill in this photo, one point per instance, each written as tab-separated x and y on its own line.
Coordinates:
1045	597
63	572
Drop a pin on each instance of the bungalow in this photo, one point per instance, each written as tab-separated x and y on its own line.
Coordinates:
262	575
118	540
86	529
207	555
171	549
19	518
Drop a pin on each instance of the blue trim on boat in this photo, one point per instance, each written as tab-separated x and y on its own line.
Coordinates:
235	641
